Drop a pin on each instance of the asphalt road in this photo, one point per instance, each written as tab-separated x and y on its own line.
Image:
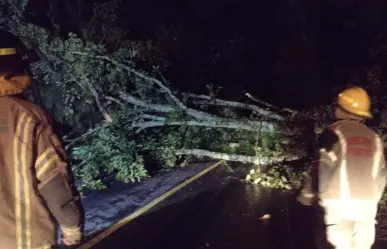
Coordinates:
105	207
224	213
216	212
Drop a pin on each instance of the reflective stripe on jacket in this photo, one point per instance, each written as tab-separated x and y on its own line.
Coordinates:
349	165
35	186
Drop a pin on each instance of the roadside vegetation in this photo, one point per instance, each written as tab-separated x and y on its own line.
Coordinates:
121	118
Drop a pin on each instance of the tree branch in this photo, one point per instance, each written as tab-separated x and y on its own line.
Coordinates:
154	117
266	127
93	91
294	112
137	102
221	102
215	123
83	136
112	99
262	102
194	113
96	98
165	108
257	160
164	87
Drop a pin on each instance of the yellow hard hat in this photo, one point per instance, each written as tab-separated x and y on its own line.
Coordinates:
355	100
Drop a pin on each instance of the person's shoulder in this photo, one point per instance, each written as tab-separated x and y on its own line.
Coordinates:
352	128
328	138
37	113
357	128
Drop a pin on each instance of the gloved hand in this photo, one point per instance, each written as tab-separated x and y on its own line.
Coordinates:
71	237
71	241
306	200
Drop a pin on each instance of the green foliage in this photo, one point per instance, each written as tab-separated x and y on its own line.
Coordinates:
80	81
111	151
276	176
119	149
15	7
322	116
105	21
70	75
74	80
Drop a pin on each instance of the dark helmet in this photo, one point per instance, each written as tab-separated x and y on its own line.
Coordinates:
14	55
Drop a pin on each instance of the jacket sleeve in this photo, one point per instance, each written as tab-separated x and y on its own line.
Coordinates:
382	179
55	185
321	169
382	176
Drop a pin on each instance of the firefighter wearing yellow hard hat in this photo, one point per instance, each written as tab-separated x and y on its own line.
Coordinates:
37	192
348	175
356	101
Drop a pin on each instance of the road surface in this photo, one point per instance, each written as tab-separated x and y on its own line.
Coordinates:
217	212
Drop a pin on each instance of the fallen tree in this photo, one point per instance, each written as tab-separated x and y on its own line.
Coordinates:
171	131
134	117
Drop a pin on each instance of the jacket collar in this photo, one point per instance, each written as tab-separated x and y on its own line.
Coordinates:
10	85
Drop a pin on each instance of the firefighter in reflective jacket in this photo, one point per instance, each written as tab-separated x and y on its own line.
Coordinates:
36	191
348	175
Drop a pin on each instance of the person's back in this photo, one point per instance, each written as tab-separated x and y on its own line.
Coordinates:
355	182
36	189
348	174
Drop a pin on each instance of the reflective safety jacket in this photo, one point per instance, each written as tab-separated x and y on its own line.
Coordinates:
349	166
36	191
